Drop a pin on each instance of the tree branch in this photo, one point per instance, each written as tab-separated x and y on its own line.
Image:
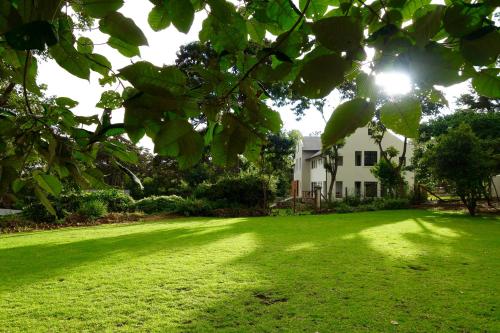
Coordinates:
295	9
269	52
402	158
5	96
25	75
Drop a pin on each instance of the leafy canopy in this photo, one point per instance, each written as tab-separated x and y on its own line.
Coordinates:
317	45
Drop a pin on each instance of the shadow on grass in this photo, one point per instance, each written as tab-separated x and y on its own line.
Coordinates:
315	273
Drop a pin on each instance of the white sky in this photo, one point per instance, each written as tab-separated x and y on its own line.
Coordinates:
162	50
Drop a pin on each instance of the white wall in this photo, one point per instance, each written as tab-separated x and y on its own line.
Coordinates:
349	173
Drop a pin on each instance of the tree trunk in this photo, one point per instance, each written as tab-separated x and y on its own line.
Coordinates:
470	204
330	191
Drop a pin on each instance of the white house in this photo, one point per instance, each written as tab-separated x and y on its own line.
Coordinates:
354	177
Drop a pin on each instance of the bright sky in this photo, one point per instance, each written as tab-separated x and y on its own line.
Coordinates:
162	50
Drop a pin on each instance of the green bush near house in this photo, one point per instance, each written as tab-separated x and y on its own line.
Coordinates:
93	209
117	202
355	204
392	203
238	191
158	204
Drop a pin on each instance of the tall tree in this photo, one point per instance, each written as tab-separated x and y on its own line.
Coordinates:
460	159
331	160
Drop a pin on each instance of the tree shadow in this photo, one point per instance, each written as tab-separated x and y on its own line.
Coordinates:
338	281
314	273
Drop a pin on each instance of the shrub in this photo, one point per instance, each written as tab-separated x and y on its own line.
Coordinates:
37	212
353	200
342	207
237	191
161	204
93	209
194	207
117	201
388	203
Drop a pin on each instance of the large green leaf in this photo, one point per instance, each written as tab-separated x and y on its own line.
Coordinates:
427	23
123	28
9	17
435	65
224	28
85	45
366	87
158	18
411	6
48	182
177	138
44	200
99	63
481	48
319	76
345	119
462	19
31	36
100	8
191	149
134	124
66	102
65	54
280	12
339	33
18	185
128	50
155	80
402	116
316	8
181	14
229	141
487	83
167	141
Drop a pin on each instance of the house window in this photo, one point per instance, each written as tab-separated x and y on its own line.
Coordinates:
357	158
370	189
340	160
338	189
370	131
357	189
370	158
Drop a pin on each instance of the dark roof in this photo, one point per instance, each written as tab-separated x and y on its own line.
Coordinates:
311	143
318	153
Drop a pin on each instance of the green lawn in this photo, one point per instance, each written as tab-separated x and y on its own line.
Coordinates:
408	271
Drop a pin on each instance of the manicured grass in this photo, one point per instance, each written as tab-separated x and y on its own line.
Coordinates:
423	271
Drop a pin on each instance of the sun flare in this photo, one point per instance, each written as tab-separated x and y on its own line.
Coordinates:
394	83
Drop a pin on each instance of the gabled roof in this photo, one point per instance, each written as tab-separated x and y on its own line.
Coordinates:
318	153
311	143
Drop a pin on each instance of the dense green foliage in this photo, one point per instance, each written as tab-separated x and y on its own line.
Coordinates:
158	204
244	190
436	44
484	120
356	204
460	159
115	200
359	272
93	209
